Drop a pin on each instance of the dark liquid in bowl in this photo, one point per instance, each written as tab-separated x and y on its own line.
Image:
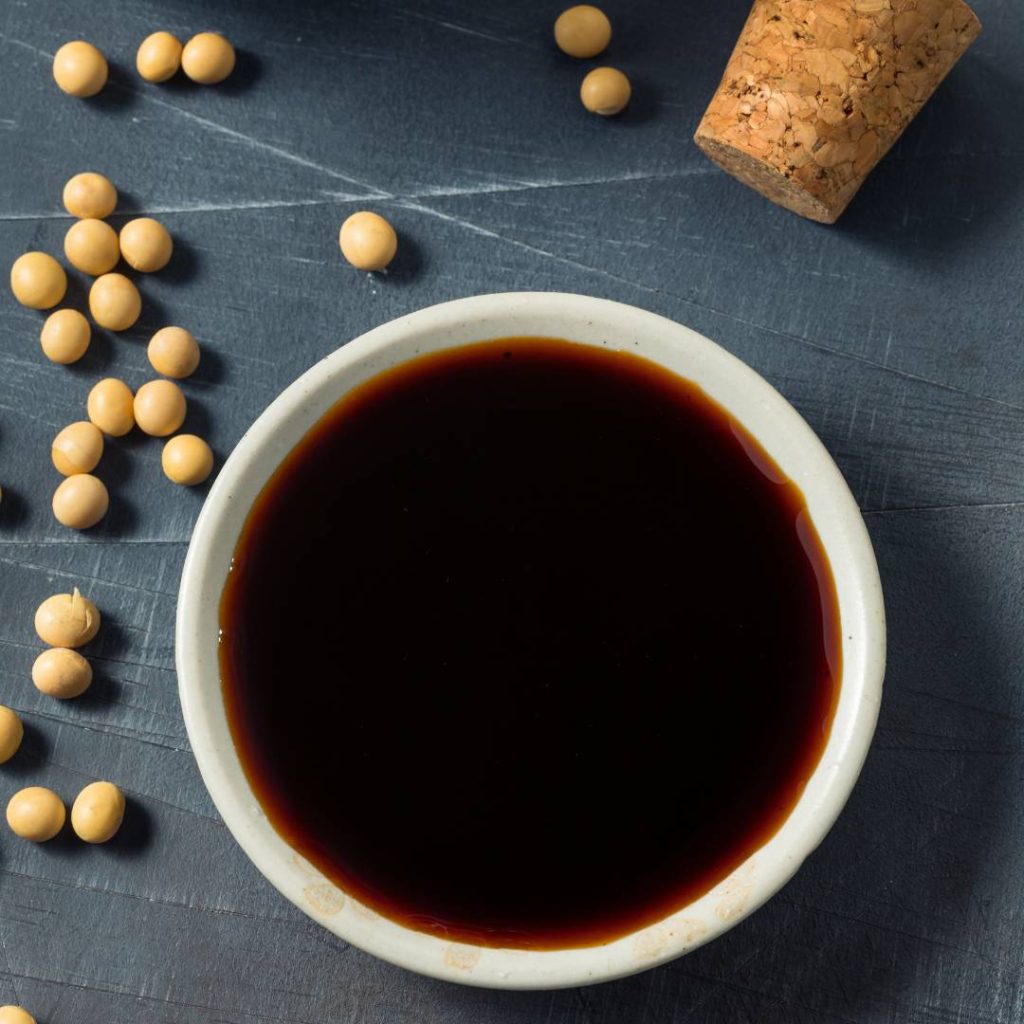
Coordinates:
529	644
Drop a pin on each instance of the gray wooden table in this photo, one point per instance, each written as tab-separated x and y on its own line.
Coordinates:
897	333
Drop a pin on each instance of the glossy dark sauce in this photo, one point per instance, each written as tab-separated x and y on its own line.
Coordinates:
529	644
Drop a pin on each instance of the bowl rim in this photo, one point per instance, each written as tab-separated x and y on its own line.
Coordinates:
586	320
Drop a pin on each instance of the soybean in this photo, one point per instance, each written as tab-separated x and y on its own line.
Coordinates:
146	244
80	69
173	351
62	673
159	408
97	812
159	57
114	302
36	813
110	406
583	31
368	241
90	195
65	336
605	91
187	459
38	280
91	246
11	734
67	620
208	58
77	448
80	501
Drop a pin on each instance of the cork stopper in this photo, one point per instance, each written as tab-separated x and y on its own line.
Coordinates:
816	91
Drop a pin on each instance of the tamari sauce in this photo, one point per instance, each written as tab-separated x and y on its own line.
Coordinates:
529	644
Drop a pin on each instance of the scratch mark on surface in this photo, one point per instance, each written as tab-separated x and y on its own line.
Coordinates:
26	46
584	1006
552	1000
147	666
438	192
154	606
902	932
146	797
47	542
8	357
774	332
952	748
942	508
21	411
888	346
158	900
719	982
221	129
271	204
958	703
504	188
119	990
7	960
118	702
306	261
10	218
453	27
65	574
4	642
257	144
489	233
108	730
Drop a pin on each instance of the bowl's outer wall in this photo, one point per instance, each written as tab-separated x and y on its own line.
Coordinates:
756	405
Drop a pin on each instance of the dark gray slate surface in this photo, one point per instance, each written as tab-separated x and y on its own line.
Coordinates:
897	334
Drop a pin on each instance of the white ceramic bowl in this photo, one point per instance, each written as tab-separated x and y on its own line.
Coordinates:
761	409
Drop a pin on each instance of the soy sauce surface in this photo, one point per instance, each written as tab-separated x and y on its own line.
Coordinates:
529	644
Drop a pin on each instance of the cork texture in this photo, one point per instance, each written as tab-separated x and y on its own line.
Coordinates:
816	91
